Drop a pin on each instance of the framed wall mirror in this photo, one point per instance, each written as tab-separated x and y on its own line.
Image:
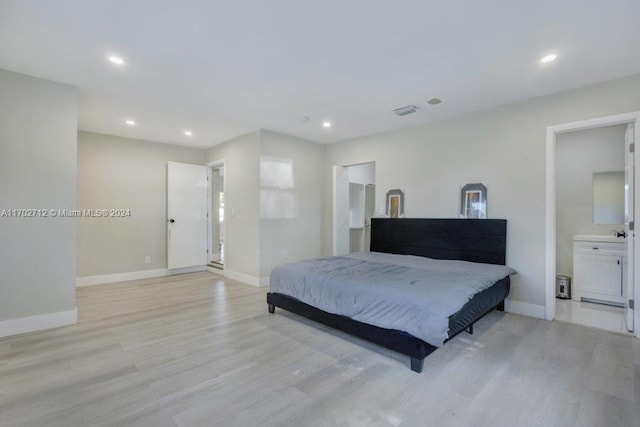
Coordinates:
395	203
473	201
608	197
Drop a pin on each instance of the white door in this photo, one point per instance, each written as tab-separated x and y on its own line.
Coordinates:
187	191
340	210
629	210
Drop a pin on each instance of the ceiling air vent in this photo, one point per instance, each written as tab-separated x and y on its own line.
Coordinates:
409	109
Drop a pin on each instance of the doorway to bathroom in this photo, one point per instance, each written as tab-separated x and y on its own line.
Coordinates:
590	241
590	200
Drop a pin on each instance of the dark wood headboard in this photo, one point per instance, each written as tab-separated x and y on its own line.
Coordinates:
476	240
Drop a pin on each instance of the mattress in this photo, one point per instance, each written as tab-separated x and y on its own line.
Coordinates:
413	294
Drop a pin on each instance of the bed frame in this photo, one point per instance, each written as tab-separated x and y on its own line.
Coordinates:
456	239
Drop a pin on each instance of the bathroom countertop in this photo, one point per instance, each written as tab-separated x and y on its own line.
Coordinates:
599	238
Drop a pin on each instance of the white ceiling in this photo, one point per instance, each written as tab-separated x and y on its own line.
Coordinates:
225	68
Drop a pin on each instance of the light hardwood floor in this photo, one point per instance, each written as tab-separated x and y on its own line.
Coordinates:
200	350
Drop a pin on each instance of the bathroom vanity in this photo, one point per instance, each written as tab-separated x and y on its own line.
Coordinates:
599	269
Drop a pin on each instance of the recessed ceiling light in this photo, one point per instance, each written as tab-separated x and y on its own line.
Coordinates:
434	101
188	133
130	122
116	60
549	58
326	124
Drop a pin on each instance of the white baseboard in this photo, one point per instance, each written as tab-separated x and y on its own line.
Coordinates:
246	278
135	275
524	309
38	323
215	270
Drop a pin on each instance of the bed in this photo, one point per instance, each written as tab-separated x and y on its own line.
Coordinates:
424	282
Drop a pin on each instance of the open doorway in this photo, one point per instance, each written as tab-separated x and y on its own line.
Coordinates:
603	263
217	219
590	228
354	205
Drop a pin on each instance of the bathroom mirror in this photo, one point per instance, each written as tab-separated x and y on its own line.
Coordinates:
608	197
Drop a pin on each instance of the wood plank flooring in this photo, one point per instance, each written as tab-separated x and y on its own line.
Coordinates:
201	350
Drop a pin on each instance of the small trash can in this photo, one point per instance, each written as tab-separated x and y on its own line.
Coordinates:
563	287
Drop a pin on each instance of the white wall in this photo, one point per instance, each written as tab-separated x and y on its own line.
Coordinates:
123	173
503	148
38	125
241	203
578	155
286	239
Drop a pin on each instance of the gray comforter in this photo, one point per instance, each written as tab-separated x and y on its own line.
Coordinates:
408	293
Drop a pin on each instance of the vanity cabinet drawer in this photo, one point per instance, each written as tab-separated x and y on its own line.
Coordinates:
601	247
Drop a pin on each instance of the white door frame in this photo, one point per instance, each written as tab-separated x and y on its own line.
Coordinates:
550	222
211	165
